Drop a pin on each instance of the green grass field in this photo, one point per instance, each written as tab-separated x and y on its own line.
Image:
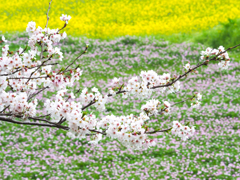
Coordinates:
28	152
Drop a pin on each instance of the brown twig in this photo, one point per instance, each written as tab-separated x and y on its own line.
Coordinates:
28	68
34	124
73	61
42	43
24	50
34	94
164	130
62	28
28	77
5	109
47	13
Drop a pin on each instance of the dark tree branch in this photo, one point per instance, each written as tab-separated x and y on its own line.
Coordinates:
34	124
62	28
5	109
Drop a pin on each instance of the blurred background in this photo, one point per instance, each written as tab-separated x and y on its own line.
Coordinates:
211	22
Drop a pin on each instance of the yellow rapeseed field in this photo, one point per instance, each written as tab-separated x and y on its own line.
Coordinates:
111	18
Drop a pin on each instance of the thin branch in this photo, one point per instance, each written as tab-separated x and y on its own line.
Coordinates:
5	109
27	68
47	13
60	121
89	104
33	124
34	94
74	61
28	77
24	50
190	70
152	132
43	116
38	68
42	43
62	28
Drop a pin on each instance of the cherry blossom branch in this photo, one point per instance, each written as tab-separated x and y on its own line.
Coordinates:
173	81
24	50
74	60
25	110
5	109
35	124
199	65
62	28
34	94
40	77
39	67
153	132
20	69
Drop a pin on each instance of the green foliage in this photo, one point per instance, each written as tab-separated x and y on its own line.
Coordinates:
226	34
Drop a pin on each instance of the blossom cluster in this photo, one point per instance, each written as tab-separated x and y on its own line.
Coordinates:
62	109
184	132
195	102
46	36
59	81
95	96
65	18
142	87
18	104
224	58
129	130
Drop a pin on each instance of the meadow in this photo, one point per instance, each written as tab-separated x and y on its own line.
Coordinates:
28	152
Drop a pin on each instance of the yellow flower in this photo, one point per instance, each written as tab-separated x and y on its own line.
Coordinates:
112	18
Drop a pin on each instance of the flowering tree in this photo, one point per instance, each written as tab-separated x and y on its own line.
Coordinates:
28	72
